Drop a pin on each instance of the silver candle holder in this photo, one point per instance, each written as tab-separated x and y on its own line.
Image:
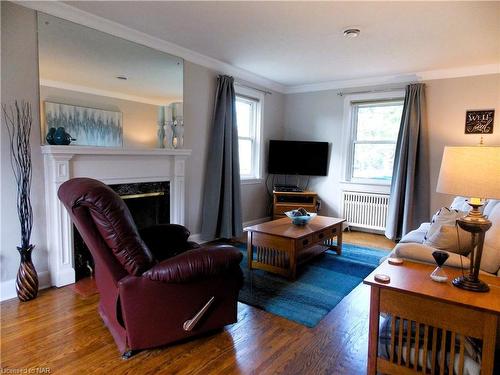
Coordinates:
170	126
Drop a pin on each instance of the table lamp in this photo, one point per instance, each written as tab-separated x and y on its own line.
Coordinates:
472	172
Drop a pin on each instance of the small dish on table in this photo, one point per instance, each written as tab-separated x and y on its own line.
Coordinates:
300	216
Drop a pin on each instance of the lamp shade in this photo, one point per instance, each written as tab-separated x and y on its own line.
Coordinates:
470	172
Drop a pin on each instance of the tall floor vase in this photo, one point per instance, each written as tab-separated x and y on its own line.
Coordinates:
27	279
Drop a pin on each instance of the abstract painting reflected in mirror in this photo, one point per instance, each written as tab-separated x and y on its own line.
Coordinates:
87	126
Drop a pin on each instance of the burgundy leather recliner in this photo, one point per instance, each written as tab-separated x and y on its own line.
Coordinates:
155	287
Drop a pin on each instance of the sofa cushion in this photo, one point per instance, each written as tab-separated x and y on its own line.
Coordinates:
460	204
488	208
450	238
416	235
444	216
445	234
490	261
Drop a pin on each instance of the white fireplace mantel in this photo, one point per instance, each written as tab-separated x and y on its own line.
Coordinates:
111	166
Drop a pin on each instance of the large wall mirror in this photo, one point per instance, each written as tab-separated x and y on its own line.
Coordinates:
107	91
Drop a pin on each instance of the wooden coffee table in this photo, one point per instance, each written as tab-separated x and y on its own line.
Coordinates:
280	246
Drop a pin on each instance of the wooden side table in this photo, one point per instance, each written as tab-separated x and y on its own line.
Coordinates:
440	313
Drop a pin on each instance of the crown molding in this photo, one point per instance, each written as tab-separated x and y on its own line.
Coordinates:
107	93
395	79
70	13
465	71
350	83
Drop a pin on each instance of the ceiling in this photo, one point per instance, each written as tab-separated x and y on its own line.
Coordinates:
298	43
76	57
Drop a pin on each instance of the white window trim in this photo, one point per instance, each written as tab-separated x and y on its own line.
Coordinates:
347	136
258	161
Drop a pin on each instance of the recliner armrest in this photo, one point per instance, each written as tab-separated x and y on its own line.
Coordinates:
196	264
167	240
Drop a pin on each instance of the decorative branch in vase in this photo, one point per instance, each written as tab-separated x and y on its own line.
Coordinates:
18	120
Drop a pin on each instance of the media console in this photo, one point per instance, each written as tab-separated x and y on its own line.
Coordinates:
284	201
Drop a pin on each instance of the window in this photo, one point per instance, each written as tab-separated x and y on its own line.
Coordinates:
248	118
375	127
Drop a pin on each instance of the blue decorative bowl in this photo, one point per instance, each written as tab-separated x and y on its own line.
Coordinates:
300	220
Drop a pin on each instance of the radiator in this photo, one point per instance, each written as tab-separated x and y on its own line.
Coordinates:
365	210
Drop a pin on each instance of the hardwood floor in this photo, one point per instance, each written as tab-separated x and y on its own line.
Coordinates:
62	331
368	239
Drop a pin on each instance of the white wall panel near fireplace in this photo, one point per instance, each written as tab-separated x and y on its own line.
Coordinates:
111	166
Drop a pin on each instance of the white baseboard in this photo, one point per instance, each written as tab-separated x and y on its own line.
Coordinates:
8	287
197	236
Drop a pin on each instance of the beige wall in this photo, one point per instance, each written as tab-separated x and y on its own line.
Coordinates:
199	87
20	81
447	101
139	119
319	116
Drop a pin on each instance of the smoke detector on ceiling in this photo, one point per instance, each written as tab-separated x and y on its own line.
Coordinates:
351	33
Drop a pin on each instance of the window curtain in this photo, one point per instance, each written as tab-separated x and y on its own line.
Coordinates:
221	215
410	193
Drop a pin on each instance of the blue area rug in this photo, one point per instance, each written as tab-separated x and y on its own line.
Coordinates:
320	285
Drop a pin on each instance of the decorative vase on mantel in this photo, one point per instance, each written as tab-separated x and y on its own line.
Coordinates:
27	279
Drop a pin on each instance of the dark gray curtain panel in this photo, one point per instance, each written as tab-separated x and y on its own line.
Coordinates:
222	198
410	190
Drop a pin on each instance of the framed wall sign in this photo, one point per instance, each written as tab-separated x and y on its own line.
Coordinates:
479	122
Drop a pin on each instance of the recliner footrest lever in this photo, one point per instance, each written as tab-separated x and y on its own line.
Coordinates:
191	323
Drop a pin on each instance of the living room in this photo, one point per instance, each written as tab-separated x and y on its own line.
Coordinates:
300	72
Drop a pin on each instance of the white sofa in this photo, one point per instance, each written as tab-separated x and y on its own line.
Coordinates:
411	246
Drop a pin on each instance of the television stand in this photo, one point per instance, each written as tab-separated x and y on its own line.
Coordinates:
288	188
284	201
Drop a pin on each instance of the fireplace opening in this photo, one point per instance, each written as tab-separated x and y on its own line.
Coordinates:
149	204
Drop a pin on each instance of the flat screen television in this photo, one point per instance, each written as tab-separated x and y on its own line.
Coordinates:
298	158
